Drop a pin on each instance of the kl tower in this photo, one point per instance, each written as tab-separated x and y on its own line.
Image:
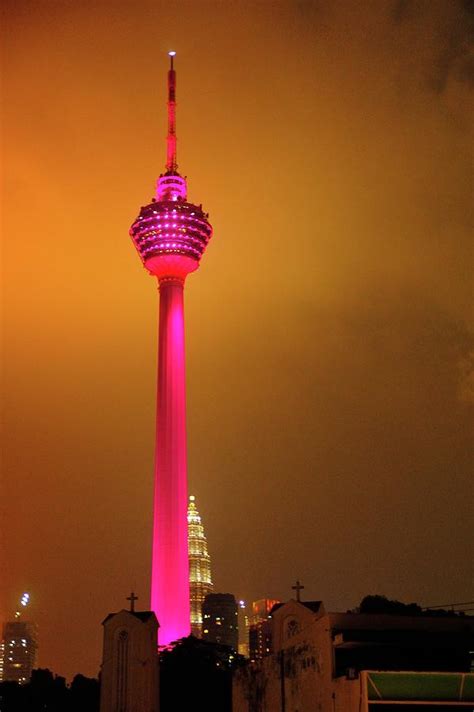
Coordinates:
171	235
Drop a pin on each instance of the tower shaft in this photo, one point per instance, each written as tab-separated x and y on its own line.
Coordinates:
170	568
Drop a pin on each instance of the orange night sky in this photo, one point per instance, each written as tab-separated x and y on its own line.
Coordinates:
329	328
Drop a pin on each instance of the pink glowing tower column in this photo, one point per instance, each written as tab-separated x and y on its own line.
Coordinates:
171	235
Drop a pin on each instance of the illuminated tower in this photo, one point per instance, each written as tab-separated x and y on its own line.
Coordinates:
171	235
19	646
200	581
243	623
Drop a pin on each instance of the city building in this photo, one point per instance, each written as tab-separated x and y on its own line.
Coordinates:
130	664
2	649
19	650
171	235
200	580
356	662
220	619
260	629
243	623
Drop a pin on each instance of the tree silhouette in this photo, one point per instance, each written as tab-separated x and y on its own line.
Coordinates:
46	692
197	674
381	604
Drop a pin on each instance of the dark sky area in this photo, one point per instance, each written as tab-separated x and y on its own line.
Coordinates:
330	343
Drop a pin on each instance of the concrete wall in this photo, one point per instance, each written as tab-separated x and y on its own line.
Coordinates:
298	677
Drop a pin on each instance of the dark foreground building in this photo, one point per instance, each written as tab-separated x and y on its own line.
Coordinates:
130	665
356	662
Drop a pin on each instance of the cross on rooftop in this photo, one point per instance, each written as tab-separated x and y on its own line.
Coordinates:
132	598
297	587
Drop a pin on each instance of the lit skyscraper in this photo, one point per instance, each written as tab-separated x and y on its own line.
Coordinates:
19	646
19	651
243	623
171	235
260	628
200	580
220	619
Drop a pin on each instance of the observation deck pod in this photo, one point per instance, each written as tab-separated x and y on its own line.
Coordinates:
171	237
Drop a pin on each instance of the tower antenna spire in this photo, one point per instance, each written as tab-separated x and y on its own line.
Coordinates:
171	156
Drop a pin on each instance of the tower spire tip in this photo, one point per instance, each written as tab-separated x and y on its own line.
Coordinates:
171	163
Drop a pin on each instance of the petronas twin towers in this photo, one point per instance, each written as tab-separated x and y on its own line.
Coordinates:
200	581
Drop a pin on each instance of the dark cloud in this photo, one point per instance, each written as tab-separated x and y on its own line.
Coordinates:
447	28
401	10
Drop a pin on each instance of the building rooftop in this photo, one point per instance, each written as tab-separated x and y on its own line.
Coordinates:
313	606
141	615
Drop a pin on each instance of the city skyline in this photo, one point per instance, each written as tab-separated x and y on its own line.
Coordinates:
329	332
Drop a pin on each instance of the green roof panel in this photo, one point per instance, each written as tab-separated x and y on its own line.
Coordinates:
429	686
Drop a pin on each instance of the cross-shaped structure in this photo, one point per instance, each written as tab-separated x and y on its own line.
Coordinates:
298	587
132	598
